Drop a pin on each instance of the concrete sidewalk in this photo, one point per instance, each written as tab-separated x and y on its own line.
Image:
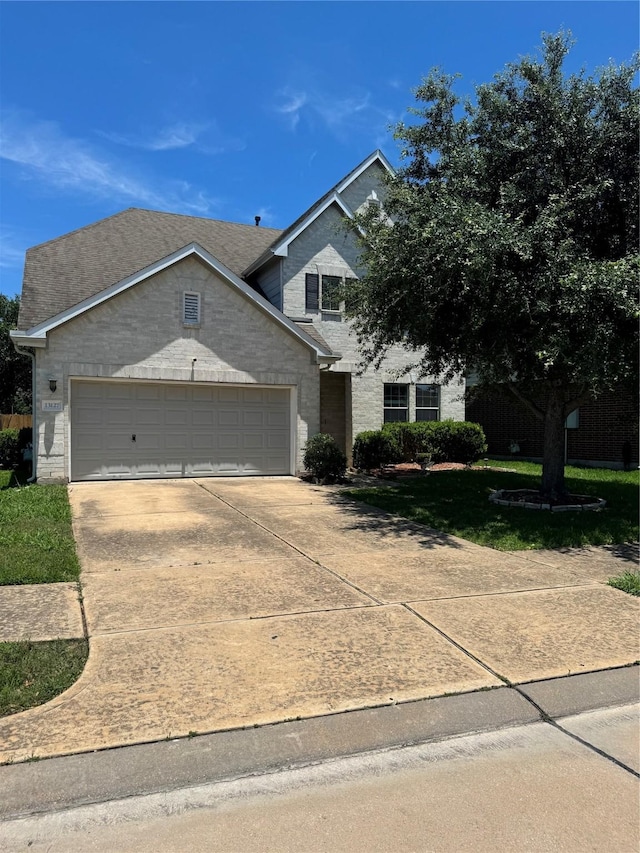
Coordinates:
566	785
220	604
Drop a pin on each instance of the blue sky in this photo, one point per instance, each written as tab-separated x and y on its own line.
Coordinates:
232	109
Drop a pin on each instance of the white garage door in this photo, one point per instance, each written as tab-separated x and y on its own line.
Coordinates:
122	430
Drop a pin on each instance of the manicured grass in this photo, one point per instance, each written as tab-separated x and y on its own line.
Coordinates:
627	582
36	541
33	673
457	502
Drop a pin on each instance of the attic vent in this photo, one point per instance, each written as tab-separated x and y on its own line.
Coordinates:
191	309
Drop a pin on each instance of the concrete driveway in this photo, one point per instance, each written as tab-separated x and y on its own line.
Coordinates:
219	604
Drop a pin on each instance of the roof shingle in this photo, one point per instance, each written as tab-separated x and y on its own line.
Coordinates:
85	262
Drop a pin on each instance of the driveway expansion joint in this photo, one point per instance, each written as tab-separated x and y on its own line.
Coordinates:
294	547
461	648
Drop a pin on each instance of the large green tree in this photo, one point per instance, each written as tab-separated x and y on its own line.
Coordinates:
508	246
15	369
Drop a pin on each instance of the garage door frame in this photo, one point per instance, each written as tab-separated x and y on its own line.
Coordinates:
293	415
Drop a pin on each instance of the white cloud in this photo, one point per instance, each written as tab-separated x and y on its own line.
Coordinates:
293	103
342	114
204	137
11	250
71	165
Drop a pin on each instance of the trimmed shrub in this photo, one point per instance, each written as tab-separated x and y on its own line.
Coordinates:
323	458
9	448
375	448
457	441
444	441
411	438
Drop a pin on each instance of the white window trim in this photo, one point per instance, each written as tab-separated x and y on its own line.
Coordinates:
429	408
406	408
191	324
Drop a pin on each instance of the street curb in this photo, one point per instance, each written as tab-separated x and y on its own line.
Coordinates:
65	782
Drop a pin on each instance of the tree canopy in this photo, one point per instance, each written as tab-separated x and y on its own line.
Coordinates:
509	241
15	369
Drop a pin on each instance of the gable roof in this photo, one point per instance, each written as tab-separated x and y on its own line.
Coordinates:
86	262
36	336
280	245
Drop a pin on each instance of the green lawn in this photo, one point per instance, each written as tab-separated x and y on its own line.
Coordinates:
36	541
33	673
457	502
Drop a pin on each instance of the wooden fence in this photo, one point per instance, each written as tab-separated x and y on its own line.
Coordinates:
15	421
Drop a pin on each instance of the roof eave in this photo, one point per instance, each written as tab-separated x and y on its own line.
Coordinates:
37	336
27	339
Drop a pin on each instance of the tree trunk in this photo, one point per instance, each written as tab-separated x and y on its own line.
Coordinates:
553	452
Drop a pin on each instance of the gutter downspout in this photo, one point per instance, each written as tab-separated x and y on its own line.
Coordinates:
34	456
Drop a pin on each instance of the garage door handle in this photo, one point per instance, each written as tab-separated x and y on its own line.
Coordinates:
133	437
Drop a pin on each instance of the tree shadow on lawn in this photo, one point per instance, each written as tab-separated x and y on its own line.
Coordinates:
456	502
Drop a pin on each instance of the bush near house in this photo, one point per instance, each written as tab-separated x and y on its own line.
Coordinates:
9	448
375	448
443	441
324	459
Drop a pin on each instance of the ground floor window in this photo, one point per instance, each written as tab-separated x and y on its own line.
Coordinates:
396	403
427	402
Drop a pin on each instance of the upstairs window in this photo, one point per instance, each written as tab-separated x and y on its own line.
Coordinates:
396	403
331	290
324	292
191	308
427	402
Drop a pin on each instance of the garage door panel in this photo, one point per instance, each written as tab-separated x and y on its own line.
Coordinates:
228	419
204	417
149	417
148	392
277	441
278	419
203	394
117	416
180	431
174	393
119	391
253	441
228	441
228	395
253	418
176	441
176	417
88	417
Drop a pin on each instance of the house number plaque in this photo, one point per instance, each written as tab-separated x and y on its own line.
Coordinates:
51	406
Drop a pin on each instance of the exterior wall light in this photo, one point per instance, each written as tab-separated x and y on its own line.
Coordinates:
53	384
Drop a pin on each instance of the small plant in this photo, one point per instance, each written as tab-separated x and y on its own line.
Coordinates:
627	582
423	460
324	459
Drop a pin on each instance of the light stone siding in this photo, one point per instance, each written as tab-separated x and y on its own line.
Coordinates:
356	194
325	242
139	335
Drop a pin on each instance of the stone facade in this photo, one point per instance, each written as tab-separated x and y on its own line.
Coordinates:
326	244
139	335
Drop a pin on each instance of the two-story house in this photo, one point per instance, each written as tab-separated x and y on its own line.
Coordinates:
169	346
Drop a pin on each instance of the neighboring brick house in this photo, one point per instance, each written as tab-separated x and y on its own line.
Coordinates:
169	346
603	433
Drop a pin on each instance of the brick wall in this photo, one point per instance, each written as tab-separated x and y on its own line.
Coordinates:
605	425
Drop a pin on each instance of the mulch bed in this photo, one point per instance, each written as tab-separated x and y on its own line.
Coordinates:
413	469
